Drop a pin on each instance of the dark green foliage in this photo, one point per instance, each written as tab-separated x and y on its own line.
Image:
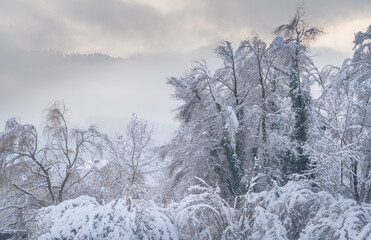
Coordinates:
298	33
229	171
235	169
299	105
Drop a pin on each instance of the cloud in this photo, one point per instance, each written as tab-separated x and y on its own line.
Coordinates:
118	28
339	36
26	25
128	27
105	91
158	39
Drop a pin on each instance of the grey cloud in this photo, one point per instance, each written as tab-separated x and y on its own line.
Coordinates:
116	17
263	16
123	28
27	26
66	25
31	77
324	12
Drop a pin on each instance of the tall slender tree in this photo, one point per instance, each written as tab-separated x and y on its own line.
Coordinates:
297	35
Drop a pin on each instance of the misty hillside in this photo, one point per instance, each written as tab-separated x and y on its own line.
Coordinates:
268	146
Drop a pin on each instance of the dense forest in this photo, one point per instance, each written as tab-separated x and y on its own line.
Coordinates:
268	147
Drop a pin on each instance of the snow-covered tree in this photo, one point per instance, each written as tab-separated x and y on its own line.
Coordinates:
133	154
250	117
267	119
210	117
41	173
294	62
341	133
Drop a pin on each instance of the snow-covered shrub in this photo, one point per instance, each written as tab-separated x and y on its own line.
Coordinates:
290	206
153	222
342	220
294	211
203	214
84	218
296	205
264	225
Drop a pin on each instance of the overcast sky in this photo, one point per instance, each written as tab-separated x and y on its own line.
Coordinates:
143	42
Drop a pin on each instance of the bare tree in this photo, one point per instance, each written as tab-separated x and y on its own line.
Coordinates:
132	152
39	174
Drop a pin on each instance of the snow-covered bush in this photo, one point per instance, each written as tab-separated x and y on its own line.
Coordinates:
84	218
153	222
265	225
294	211
297	204
283	211
203	214
342	220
